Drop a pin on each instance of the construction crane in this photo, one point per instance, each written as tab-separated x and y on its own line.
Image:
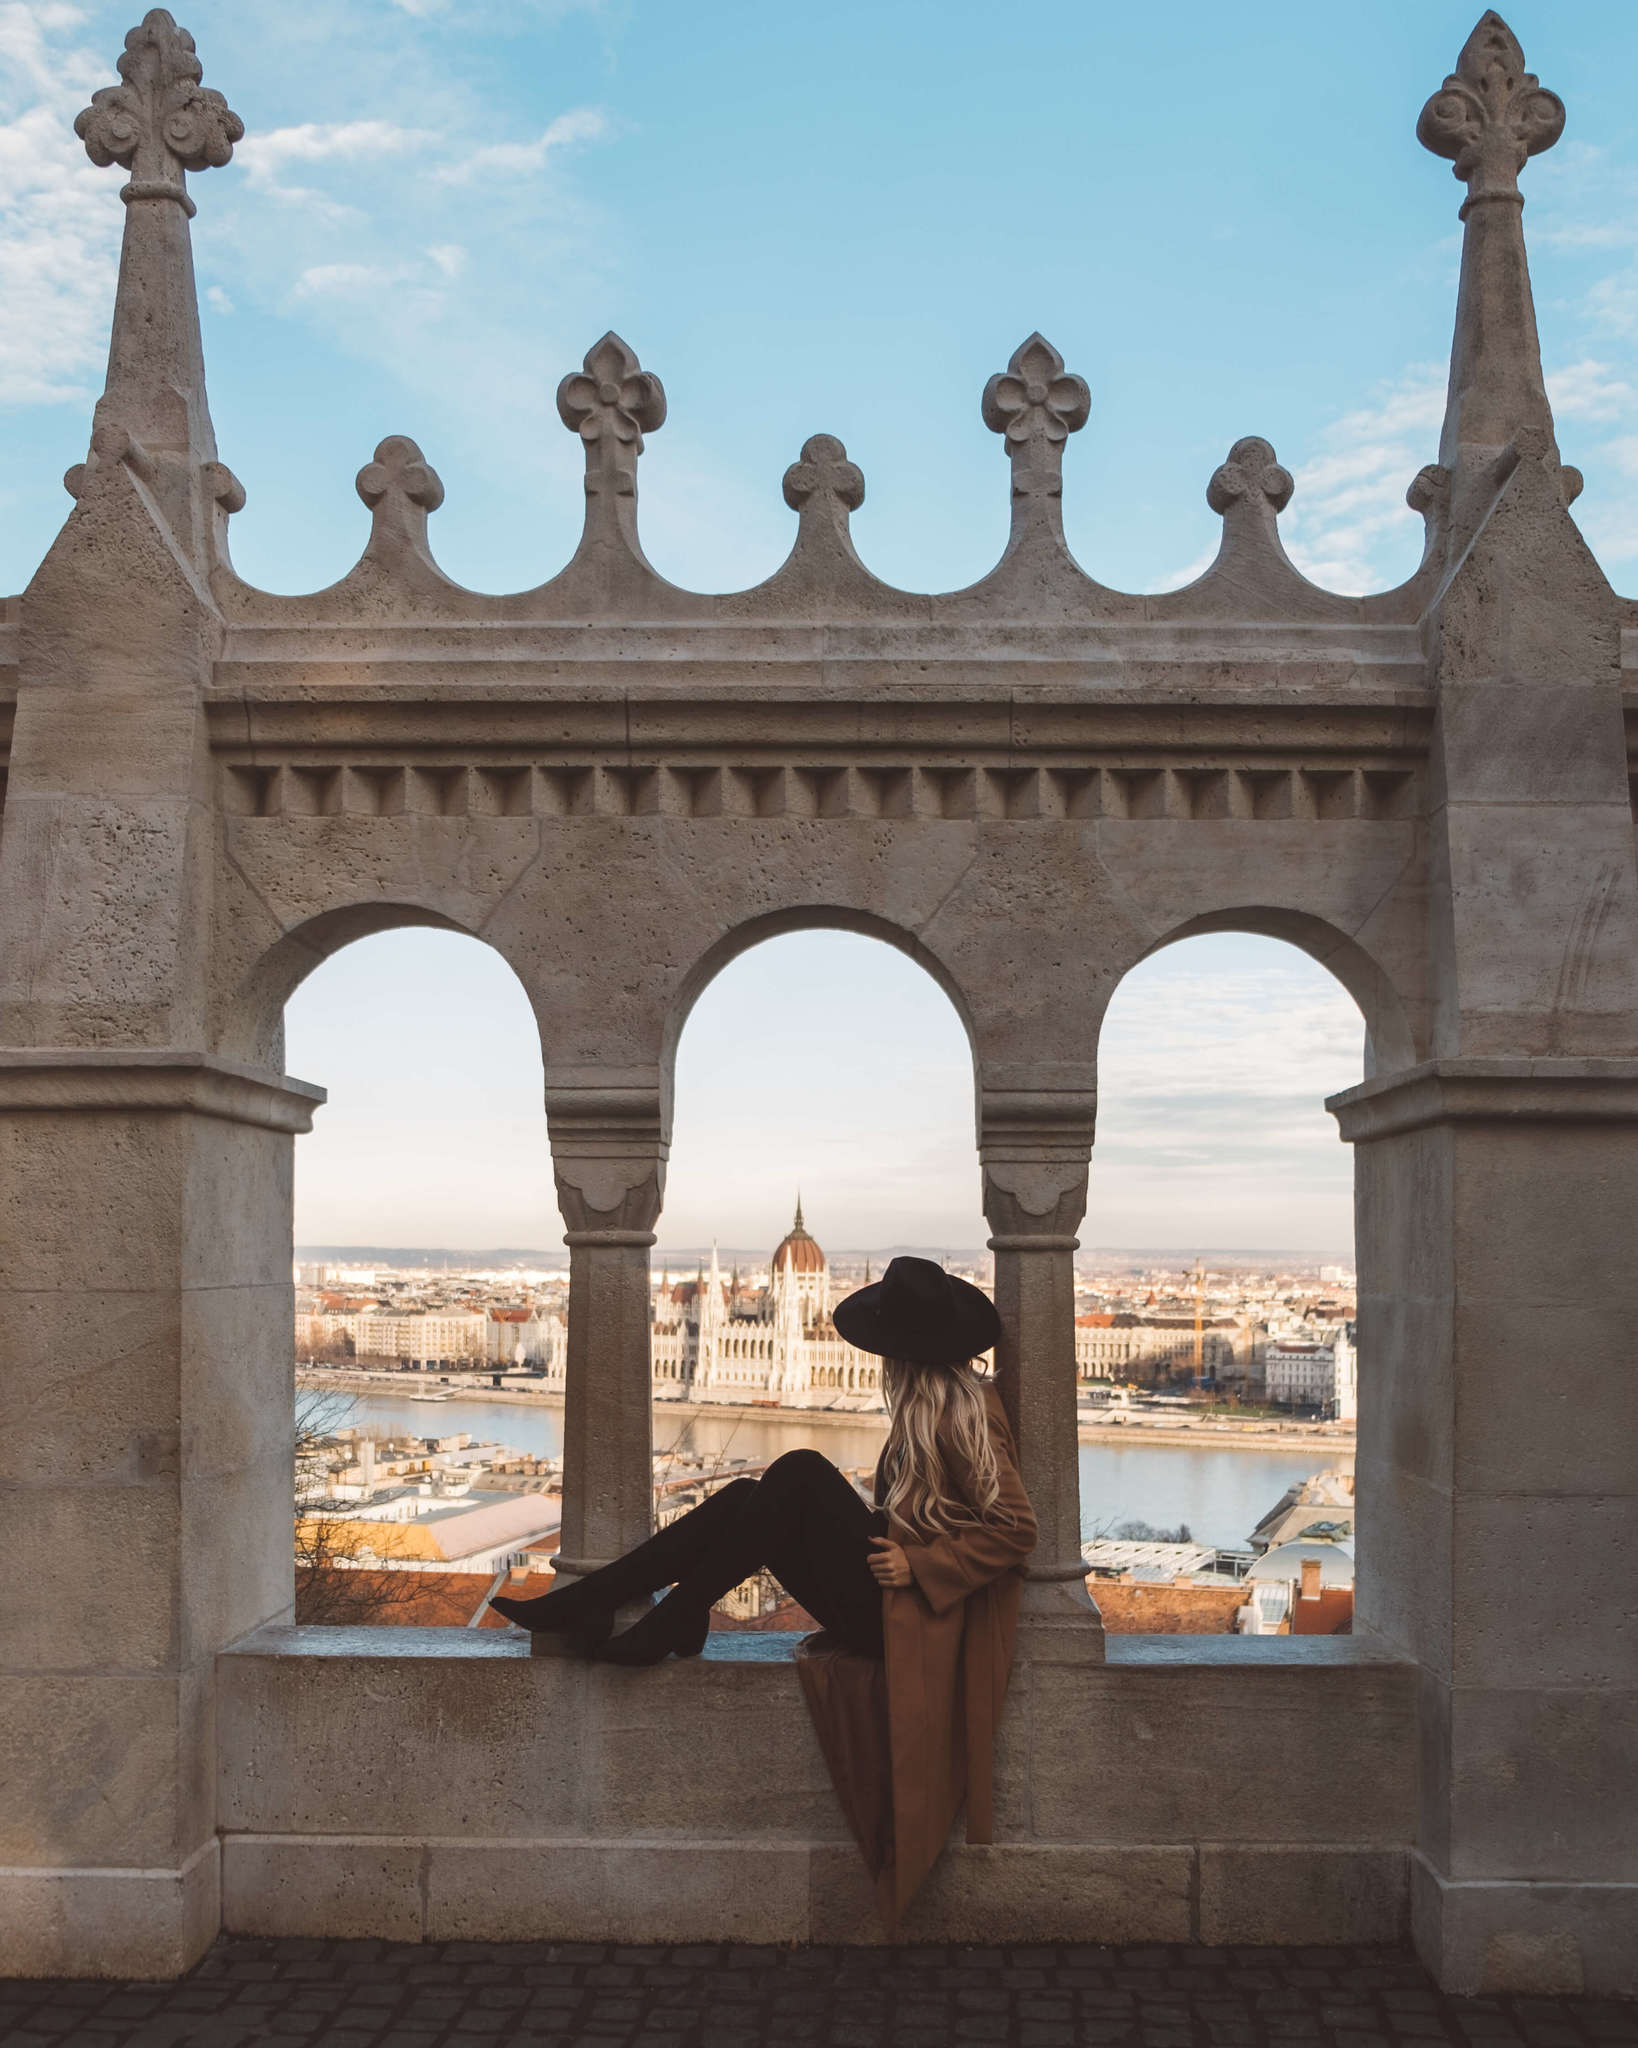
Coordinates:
1199	1323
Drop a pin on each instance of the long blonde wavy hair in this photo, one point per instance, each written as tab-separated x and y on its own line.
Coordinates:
939	1469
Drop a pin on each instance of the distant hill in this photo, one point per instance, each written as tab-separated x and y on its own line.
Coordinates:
1101	1257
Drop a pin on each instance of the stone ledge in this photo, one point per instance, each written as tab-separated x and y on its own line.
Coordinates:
1488	1091
130	1079
728	1647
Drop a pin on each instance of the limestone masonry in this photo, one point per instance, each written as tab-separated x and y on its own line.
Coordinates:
1028	785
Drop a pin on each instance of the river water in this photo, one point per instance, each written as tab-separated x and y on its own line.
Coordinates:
1220	1493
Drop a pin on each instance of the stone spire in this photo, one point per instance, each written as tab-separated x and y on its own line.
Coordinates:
159	123
1489	117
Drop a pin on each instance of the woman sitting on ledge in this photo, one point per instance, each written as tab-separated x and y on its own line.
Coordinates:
918	1601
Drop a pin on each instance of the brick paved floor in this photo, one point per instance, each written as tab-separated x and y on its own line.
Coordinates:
369	1994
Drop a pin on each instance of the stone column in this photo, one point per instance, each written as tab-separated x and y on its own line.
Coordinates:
1498	1496
145	1482
608	1155
1035	1147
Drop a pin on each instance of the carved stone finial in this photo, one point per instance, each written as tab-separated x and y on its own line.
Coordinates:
1490	115
824	472
1250	473
1035	404
160	122
400	487
398	468
611	404
1249	489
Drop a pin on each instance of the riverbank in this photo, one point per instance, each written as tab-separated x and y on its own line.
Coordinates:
1130	1431
1318	1437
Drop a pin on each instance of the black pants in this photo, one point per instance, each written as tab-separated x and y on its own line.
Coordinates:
801	1520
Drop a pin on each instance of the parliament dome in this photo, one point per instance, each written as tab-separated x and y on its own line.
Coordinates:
797	1251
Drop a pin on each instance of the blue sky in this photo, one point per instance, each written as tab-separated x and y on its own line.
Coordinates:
838	218
831	1063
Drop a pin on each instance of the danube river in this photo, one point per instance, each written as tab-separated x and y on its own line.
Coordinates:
1221	1494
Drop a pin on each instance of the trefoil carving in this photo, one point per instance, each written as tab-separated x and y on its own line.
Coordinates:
824	473
1250	473
400	487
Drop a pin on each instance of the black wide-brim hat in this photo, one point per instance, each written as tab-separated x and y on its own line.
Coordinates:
918	1312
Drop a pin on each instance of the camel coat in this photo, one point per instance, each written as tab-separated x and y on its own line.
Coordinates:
908	1738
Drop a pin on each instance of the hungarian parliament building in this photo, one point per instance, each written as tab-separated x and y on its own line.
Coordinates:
714	1341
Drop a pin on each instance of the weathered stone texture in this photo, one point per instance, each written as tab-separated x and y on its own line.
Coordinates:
1028	786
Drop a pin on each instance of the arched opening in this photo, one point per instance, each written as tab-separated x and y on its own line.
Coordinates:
431	1285
823	1120
1216	1303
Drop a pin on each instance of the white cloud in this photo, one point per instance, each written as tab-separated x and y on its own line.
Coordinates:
450	257
265	158
60	217
349	279
218	300
1348	527
1589	390
1215	1060
521	159
24	42
1180	579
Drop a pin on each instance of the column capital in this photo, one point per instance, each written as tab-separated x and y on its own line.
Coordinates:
608	1158
1496	1091
1035	1146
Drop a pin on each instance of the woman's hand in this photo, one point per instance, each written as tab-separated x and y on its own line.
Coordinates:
890	1566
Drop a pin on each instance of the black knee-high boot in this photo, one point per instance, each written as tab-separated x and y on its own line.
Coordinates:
586	1607
734	1547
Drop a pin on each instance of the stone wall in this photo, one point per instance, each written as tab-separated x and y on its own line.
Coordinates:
1028	785
412	1784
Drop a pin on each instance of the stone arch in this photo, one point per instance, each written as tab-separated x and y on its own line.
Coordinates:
252	1021
1390	1040
752	932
